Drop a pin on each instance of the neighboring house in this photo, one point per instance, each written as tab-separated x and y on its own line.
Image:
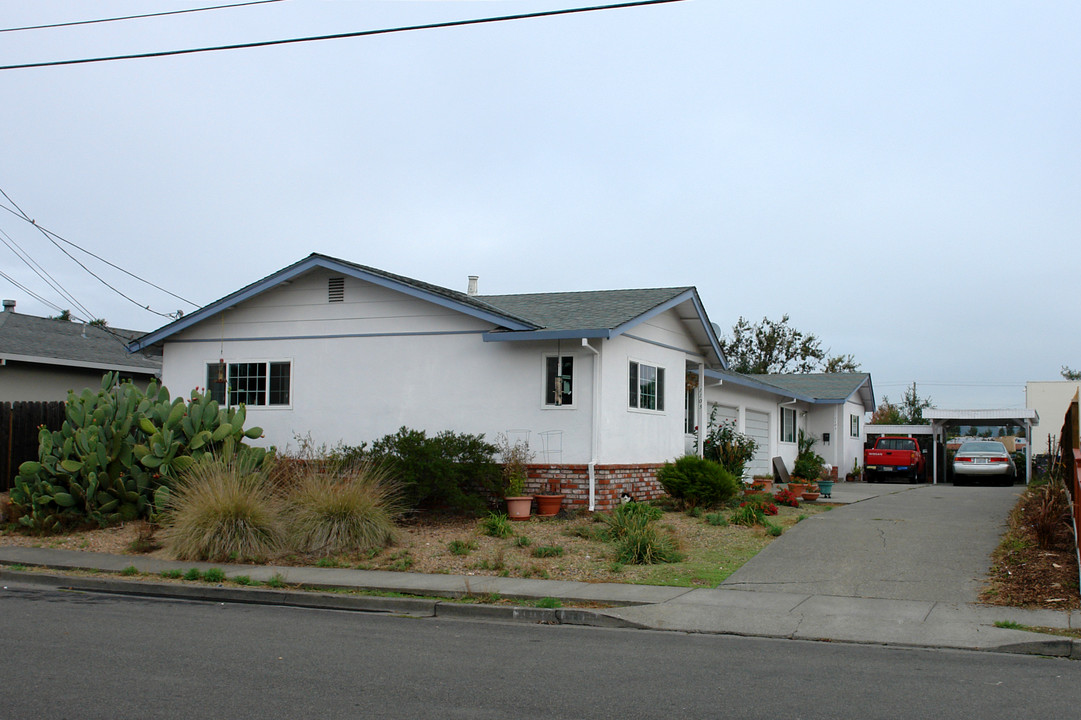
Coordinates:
773	409
41	358
1050	400
601	383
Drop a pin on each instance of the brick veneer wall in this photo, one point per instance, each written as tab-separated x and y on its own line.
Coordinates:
612	480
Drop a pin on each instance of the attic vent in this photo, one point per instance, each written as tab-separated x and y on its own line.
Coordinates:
336	290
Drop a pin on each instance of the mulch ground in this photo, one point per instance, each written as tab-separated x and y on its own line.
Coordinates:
1025	575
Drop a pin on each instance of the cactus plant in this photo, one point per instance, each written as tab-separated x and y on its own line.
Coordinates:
119	452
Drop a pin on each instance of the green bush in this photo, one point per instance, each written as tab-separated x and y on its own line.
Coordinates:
332	509
645	545
450	469
496	525
221	510
727	446
461	547
696	481
119	451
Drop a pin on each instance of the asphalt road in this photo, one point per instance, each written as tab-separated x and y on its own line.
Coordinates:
75	655
932	542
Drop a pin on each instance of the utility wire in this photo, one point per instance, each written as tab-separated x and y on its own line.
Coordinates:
135	17
340	36
29	292
42	272
76	261
97	257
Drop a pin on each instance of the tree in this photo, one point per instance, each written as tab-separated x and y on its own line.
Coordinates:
65	315
887	413
1069	374
912	407
775	347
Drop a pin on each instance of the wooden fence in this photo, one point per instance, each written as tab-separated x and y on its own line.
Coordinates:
19	423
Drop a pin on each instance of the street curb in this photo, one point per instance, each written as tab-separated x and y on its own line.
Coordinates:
410	607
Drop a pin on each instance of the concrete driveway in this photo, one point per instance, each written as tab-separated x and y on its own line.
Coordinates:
901	542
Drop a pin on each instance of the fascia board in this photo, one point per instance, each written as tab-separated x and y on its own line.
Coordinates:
523	335
300	268
63	362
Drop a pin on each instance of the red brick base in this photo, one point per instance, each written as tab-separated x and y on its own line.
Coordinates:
640	481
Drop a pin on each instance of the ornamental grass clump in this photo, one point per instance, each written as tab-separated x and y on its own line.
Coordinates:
334	509
222	510
632	527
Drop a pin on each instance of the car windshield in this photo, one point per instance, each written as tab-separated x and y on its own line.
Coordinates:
985	446
896	444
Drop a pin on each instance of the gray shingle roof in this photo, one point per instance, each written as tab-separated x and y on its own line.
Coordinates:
583	310
821	386
29	336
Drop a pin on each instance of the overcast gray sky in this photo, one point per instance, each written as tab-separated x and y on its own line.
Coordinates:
901	178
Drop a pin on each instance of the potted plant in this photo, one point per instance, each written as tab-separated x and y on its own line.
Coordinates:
763	482
856	473
516	459
825	481
810	493
808	465
550	503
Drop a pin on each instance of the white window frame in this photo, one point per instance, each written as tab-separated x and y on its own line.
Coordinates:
661	396
573	404
854	425
784	413
267	362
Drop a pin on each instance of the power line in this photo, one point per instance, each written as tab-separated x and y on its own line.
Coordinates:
29	292
341	36
76	261
42	273
135	17
97	257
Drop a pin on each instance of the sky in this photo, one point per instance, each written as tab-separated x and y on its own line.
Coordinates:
901	178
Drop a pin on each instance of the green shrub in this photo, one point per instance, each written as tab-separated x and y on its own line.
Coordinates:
496	525
522	541
333	509
129	571
119	451
727	446
461	547
172	574
193	574
550	603
696	481
774	530
749	514
545	551
450	469
242	580
646	545
223	509
718	519
276	581
214	575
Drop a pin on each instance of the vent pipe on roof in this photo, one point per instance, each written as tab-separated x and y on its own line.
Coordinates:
9	306
471	289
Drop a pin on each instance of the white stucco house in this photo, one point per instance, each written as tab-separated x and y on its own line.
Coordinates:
605	384
1050	400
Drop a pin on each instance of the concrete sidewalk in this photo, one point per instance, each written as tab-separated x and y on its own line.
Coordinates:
906	623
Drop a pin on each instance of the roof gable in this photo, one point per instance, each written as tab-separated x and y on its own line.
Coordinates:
433	293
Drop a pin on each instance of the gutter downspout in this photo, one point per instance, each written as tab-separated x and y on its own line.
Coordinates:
702	408
595	435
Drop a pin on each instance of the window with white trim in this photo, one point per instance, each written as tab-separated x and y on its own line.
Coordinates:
250	383
646	386
854	425
690	412
788	425
558	380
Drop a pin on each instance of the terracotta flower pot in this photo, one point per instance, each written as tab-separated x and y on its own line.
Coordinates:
519	508
797	488
549	505
809	496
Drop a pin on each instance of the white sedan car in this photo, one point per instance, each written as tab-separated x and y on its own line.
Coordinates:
983	460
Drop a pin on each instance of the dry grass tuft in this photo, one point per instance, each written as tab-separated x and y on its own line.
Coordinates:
342	509
221	511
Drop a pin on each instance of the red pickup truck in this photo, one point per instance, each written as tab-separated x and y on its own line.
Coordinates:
894	457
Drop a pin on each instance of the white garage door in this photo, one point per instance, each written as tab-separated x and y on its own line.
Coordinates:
724	415
758	430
